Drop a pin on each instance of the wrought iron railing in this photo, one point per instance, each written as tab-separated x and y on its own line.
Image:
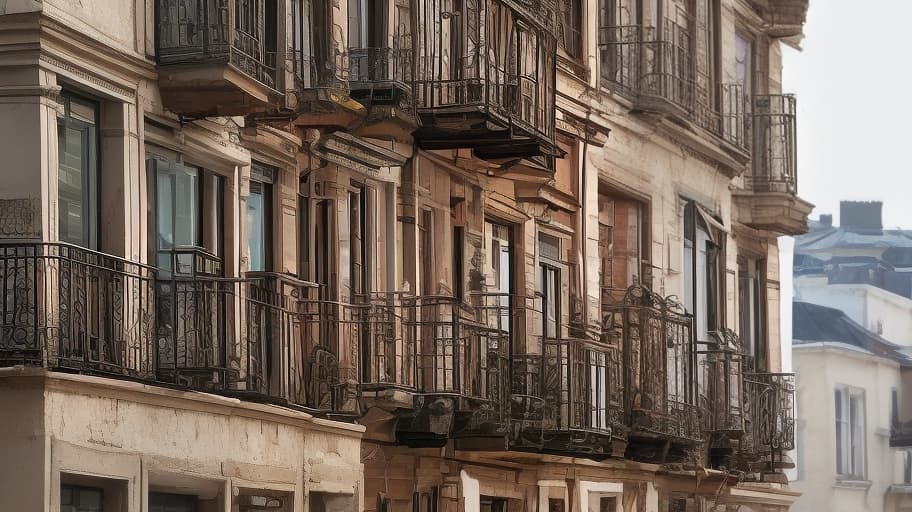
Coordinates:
273	362
724	381
332	334
200	31
313	74
66	307
770	416
654	71
195	320
369	66
388	340
484	74
659	391
774	144
576	385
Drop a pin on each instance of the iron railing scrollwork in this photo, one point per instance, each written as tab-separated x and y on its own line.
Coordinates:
723	377
770	419
655	337
66	307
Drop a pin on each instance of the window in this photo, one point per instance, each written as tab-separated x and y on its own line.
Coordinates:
702	269
894	409
163	502
608	504
620	245
188	216
850	436
499	239
571	19
75	498
550	285
744	61
425	251
358	229
556	505
752	314
490	504
907	467
77	171
259	217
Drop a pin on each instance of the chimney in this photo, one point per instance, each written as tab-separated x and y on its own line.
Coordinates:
861	216
826	220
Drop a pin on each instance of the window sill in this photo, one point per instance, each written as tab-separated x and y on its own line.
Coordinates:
849	483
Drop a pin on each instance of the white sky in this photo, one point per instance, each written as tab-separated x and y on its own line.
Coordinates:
853	80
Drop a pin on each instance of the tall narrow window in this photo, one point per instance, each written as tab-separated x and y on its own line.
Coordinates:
75	498
77	172
752	318
850	436
620	245
551	284
356	216
425	251
188	217
571	20
500	274
259	217
744	56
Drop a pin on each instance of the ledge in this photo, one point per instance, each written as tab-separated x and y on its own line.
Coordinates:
168	397
855	485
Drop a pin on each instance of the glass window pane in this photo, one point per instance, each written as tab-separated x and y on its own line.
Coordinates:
256	227
76	173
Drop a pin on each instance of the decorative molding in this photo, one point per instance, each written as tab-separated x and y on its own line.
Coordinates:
20	218
89	77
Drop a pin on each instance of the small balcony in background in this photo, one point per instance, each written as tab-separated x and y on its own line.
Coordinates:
218	59
381	80
484	98
658	76
322	91
769	200
769	423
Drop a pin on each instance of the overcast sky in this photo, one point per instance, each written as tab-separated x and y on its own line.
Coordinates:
853	80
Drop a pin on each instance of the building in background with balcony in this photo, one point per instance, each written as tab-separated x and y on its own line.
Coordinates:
378	255
850	355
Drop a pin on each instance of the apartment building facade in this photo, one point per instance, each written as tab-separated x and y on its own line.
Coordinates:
447	255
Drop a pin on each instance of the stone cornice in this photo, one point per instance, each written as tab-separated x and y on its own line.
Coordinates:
171	398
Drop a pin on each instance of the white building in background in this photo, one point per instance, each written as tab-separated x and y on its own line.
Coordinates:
852	327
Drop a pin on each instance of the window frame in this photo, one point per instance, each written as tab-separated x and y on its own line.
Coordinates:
90	186
850	432
263	176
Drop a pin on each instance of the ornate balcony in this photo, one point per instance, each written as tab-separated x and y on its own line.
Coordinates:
723	362
68	308
660	399
658	75
381	80
322	91
273	364
769	200
460	380
769	421
482	97
217	59
577	380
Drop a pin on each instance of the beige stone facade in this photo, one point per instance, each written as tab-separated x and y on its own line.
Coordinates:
429	254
